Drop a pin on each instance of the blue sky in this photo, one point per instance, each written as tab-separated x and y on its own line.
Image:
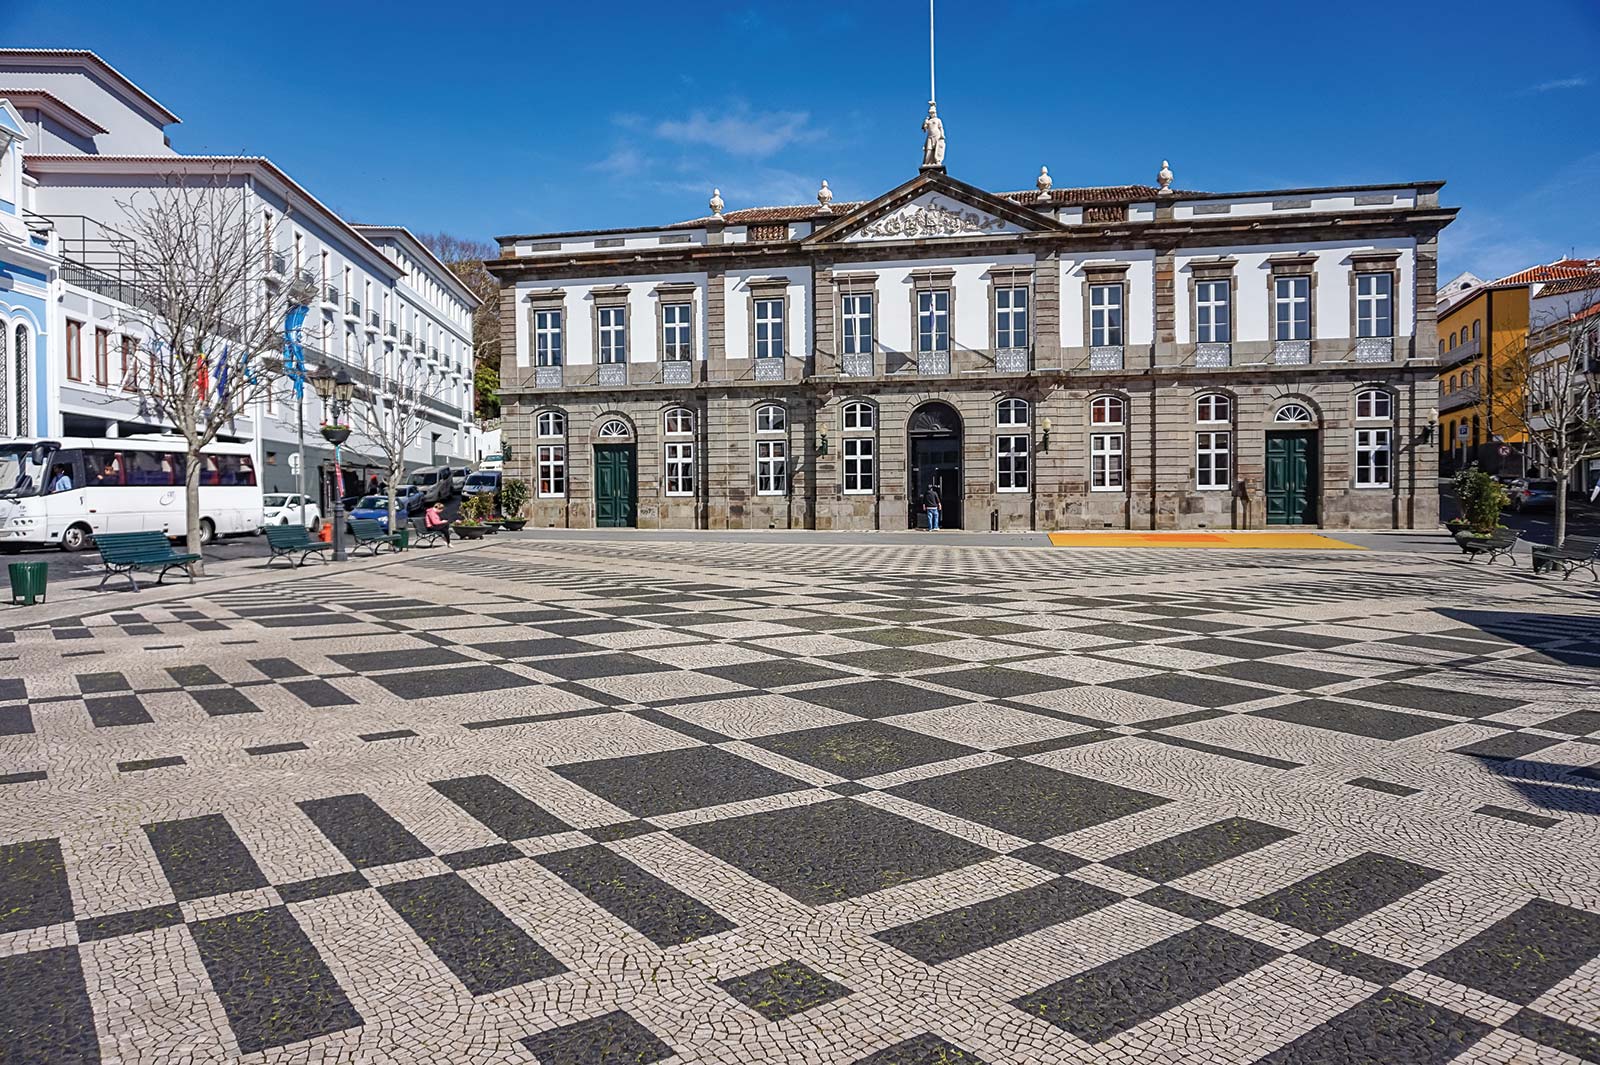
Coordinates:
496	118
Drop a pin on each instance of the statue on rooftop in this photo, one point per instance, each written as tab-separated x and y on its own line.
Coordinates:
933	146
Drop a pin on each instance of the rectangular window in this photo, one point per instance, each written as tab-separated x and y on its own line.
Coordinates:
860	476
1011	463
547	337
1213	460
1375	305
769	329
933	320
1372	458
677	331
1105	462
552	471
772	467
74	351
857	324
1212	320
680	469
1105	316
1291	298
130	364
613	334
1011	317
102	356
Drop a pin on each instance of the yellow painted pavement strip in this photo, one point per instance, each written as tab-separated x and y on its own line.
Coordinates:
1286	541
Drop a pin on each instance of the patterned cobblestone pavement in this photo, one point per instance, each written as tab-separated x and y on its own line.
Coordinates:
576	802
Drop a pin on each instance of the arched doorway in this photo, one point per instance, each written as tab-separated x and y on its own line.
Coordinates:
616	476
933	450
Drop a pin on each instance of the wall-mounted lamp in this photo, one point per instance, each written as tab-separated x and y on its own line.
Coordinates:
822	445
1044	437
1430	425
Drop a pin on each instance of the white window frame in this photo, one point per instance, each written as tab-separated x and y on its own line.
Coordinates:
1108	403
1375	305
1108	471
1011	316
1207	412
769	322
772	418
933	320
1291	307
1213	460
677	331
1370	443
1373	398
553	421
615	429
1294	414
858	416
1105	315
772	467
613	333
1012	412
1213	310
860	465
677	421
678	463
857	321
551	466
1011	462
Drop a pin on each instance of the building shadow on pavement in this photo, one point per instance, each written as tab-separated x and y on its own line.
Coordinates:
1559	639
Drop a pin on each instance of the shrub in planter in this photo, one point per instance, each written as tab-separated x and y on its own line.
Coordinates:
1482	498
475	511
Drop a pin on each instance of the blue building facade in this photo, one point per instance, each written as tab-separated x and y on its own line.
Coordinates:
29	268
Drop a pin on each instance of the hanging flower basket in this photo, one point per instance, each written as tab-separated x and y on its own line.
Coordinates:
336	434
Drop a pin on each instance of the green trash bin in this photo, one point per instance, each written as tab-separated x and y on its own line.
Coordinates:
405	538
28	581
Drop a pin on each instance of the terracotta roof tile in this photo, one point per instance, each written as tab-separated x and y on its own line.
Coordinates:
1561	268
1578	282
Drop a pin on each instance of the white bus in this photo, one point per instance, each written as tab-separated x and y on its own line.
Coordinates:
63	491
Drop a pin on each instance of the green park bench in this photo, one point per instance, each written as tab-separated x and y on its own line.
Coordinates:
1501	542
368	533
1575	553
286	541
421	534
123	553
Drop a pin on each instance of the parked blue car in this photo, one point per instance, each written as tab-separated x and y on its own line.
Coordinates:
408	502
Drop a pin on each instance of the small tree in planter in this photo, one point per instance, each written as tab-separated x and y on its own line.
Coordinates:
474	511
1481	498
513	497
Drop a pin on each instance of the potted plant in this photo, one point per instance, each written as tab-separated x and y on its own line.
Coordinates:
1482	498
513	497
470	525
334	433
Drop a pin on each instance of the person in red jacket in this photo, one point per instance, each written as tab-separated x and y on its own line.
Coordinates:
434	520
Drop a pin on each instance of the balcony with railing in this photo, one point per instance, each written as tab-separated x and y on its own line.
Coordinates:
277	265
406	338
372	321
391	330
352	310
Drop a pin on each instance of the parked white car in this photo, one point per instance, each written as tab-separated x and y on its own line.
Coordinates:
280	508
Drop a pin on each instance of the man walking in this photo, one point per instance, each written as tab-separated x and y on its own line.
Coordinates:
931	504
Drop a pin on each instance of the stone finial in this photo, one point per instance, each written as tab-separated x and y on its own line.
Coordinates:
1164	178
1044	183
825	198
716	203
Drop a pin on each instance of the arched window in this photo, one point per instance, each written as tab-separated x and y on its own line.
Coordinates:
1477	375
1011	412
859	416
1452	342
679	421
1213	407
5	372
552	423
1374	404
771	419
1450	385
1441	347
1106	410
1474	330
615	429
1294	412
22	380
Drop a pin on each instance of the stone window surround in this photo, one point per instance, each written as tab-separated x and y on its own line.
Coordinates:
941	279
545	300
1121	428
1291	264
1006	277
1026	455
1226	430
1233	406
614	416
1381	261
1371	427
558	458
539	413
612	296
761	289
679	440
1222	268
1371	420
871	438
846	405
675	292
760	436
1104	273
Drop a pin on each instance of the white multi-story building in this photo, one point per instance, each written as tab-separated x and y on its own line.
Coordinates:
96	144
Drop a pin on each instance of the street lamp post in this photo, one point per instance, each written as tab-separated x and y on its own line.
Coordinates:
340	390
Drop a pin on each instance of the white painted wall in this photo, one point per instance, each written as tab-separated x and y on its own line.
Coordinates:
1138	319
797	328
581	344
131	131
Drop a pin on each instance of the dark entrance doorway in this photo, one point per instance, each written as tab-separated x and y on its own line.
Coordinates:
616	502
1292	478
934	458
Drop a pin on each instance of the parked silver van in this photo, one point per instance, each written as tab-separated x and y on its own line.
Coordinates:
434	483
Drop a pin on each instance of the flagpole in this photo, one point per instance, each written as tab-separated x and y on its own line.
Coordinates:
932	95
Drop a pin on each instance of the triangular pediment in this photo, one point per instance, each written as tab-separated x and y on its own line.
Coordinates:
932	207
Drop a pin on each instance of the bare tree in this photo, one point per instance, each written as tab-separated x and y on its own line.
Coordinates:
465	258
1550	387
391	416
206	313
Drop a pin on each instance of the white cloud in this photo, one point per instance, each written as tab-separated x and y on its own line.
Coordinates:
753	134
1558	84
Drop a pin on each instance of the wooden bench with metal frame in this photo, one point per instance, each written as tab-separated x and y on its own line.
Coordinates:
150	550
1575	553
368	533
285	541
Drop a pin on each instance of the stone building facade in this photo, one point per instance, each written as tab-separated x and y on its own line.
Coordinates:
1127	357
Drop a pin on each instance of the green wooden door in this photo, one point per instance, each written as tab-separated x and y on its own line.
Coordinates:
1292	478
615	500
